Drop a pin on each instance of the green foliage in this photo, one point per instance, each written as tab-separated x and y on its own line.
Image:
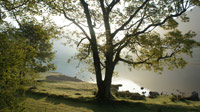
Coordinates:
129	27
39	37
111	31
161	52
25	48
12	56
23	51
196	2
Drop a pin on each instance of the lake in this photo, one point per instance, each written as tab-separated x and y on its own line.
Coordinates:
185	80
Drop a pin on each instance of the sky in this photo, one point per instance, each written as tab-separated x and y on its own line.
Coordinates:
185	80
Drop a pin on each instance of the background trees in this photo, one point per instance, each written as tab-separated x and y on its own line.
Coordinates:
25	48
23	52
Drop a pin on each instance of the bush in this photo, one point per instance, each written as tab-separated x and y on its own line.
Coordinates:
175	98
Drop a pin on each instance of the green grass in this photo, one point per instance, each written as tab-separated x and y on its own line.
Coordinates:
39	103
66	96
67	88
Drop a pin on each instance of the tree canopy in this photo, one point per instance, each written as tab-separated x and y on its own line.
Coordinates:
111	31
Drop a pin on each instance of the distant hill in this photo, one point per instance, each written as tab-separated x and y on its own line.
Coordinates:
55	76
62	78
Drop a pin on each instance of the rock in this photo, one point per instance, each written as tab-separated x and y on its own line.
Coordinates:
144	92
116	87
153	94
129	95
194	96
77	94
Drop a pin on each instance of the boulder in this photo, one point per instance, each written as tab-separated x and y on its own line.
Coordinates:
116	87
153	94
129	95
194	96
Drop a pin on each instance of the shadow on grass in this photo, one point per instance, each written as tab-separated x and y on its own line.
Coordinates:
35	95
62	88
114	106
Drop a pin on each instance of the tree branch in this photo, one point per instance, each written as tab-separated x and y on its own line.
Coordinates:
130	18
14	7
102	6
148	27
80	41
168	56
105	18
159	24
118	51
16	19
74	22
112	4
135	63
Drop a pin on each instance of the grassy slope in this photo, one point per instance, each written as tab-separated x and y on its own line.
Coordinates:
66	96
37	103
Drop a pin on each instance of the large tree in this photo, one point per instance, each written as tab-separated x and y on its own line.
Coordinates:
111	31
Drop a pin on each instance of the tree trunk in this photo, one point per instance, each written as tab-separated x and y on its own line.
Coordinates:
104	91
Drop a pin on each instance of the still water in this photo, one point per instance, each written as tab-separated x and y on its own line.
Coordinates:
185	80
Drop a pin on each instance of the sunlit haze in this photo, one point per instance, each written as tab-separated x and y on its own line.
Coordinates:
186	79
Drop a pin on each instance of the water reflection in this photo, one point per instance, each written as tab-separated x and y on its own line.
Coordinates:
128	85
